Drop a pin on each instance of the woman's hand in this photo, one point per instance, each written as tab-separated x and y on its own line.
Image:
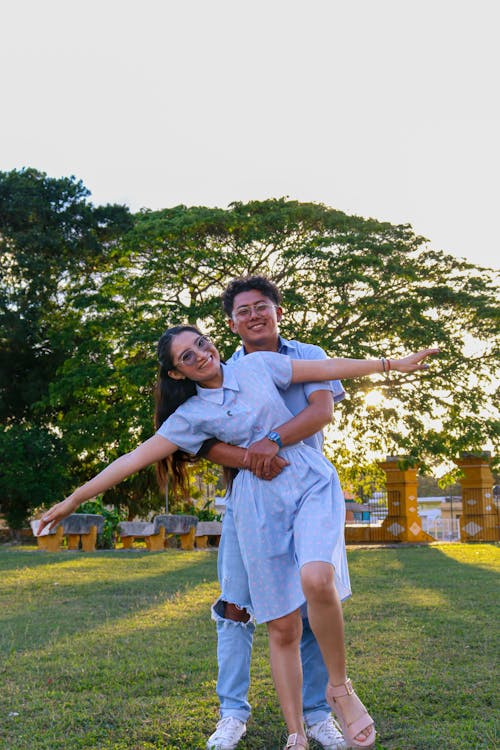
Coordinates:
56	514
152	450
413	362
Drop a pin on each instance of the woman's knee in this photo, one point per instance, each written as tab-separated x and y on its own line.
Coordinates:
317	579
285	630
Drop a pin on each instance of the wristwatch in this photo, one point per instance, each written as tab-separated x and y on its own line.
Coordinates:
274	436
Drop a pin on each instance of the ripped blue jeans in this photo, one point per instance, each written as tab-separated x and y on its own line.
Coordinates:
235	640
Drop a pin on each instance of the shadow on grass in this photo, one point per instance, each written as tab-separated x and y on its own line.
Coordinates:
127	658
421	636
67	591
116	646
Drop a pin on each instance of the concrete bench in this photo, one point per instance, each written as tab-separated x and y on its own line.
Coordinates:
205	529
83	527
77	527
155	532
51	540
131	530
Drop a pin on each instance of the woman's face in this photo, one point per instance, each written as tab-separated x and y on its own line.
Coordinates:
195	357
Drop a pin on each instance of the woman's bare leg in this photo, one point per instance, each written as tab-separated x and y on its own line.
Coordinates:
325	616
327	623
284	640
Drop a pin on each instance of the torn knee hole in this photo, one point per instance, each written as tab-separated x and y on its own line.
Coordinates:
233	612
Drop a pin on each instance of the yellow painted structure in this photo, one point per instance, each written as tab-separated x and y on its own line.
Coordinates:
156	533
88	540
201	541
480	520
359	533
402	523
156	542
187	540
51	542
206	529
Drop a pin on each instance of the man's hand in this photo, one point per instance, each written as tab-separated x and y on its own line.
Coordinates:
261	458
56	514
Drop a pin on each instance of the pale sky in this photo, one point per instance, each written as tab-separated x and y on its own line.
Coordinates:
381	108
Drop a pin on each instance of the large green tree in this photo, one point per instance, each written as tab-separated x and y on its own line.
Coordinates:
357	287
33	470
85	298
52	240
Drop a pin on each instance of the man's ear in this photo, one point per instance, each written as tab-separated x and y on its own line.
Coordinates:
175	375
279	313
232	325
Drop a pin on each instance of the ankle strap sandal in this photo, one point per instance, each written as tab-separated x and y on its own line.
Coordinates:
351	729
297	741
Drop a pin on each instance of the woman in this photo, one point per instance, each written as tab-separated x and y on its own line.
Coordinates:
290	530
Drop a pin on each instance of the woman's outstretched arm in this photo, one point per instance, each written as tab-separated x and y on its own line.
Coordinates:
149	452
304	370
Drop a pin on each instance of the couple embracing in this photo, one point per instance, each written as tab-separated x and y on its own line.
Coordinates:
282	556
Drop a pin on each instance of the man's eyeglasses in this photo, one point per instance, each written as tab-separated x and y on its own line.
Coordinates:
190	356
261	308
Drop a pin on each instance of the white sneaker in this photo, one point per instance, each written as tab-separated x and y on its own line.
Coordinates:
228	733
326	734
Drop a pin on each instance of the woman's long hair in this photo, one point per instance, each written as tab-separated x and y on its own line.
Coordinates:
169	395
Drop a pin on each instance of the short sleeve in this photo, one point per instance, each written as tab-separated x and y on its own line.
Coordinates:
182	431
279	366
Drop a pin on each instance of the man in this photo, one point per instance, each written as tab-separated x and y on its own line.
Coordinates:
253	306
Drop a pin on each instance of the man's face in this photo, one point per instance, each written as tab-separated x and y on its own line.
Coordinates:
255	319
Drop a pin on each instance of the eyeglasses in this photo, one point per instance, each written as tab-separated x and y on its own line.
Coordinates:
190	356
261	308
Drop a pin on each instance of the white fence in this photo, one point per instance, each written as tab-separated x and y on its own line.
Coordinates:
442	529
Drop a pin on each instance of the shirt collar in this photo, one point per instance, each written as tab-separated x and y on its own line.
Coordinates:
284	345
216	395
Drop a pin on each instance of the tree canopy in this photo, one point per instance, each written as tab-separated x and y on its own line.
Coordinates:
86	292
52	240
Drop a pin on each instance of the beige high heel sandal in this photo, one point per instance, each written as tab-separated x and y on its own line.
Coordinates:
297	741
362	723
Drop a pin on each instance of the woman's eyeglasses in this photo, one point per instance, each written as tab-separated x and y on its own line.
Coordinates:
190	356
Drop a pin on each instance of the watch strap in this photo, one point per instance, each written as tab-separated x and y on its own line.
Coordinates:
275	437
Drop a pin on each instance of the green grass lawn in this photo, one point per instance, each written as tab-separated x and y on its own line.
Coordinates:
116	650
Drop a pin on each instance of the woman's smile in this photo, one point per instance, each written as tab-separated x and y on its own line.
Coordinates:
197	358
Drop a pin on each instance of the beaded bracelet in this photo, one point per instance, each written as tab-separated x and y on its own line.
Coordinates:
386	364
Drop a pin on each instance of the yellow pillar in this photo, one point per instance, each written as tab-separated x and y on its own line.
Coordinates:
89	540
156	542
51	542
402	524
73	541
480	521
187	540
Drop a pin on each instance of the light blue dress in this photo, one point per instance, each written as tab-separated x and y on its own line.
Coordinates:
281	525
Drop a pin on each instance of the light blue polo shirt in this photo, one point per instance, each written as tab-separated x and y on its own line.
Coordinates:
296	396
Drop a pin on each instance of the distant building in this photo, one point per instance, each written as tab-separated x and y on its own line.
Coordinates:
357	512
